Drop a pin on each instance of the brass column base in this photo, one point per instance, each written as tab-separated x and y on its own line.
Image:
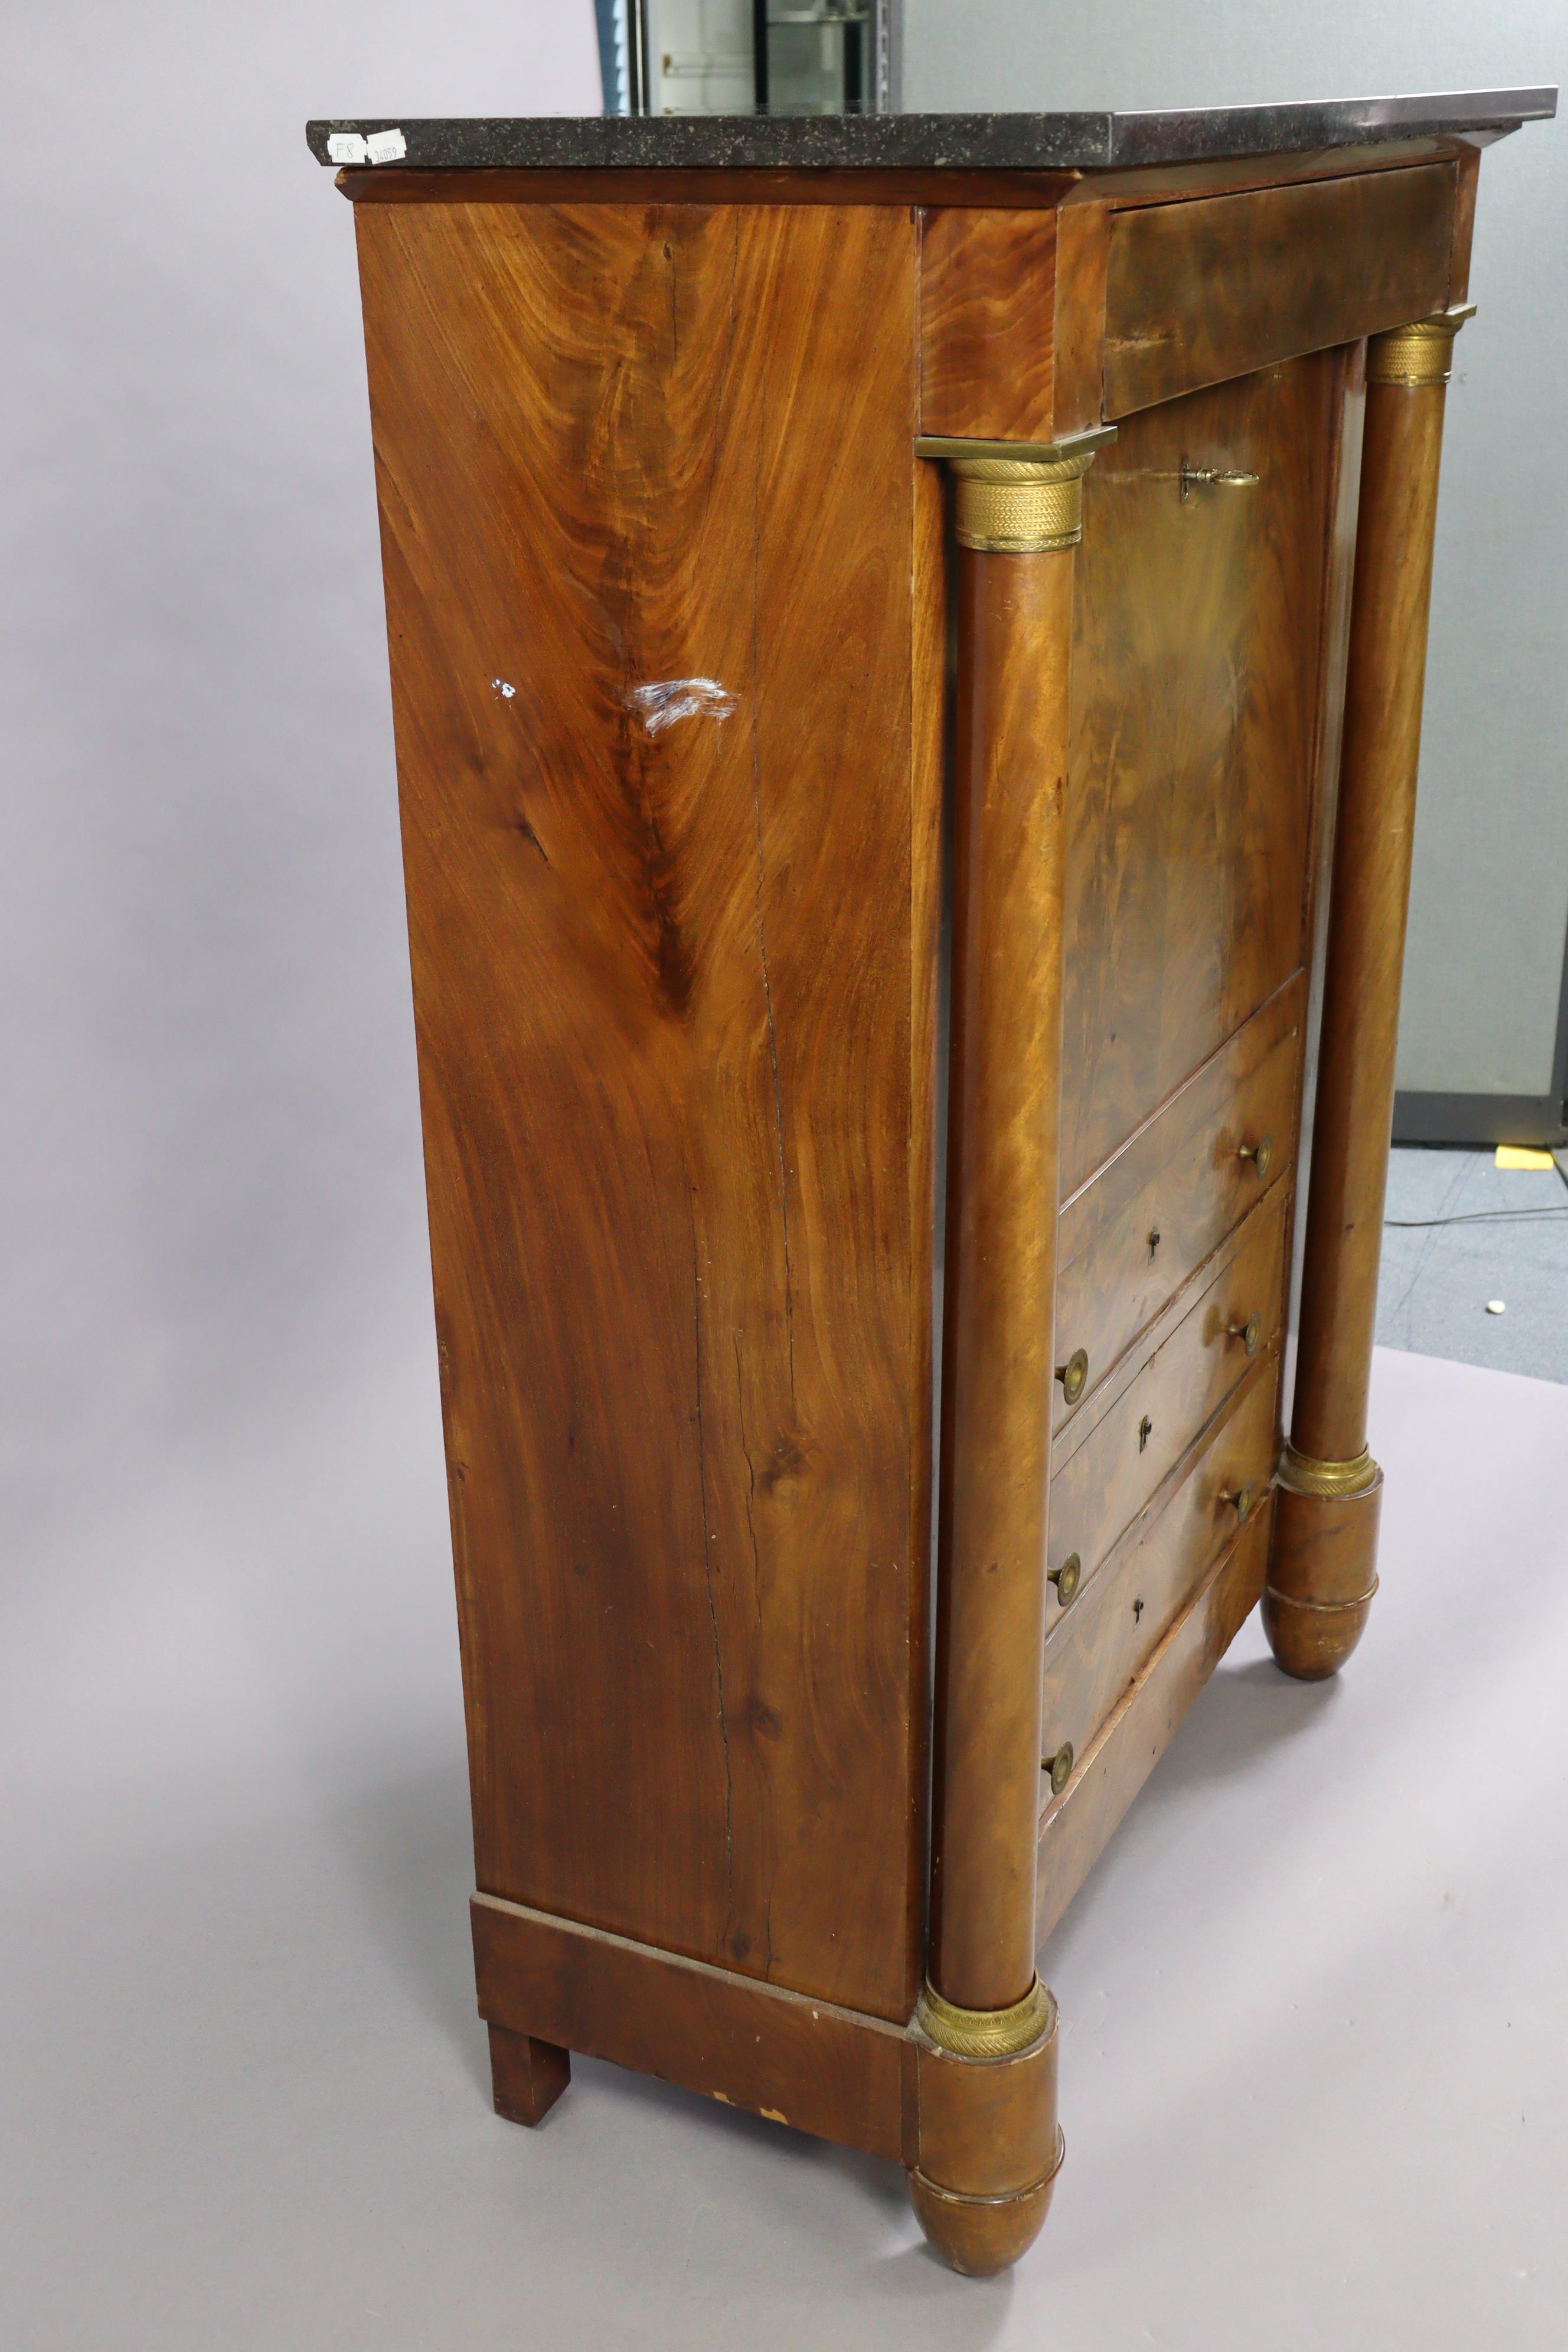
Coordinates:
987	2147
1321	1567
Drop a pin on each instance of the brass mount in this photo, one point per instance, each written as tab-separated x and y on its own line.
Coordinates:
1305	1475
1421	353
1018	497
985	2033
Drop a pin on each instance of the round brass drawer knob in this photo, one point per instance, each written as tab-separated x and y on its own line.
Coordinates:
1073	1375
1241	1496
1260	1154
1059	1767
1248	1333
1067	1578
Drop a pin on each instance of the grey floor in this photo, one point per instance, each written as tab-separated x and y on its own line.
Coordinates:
1511	1243
1315	2055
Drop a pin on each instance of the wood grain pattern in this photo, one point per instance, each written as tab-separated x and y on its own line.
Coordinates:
939	188
1195	667
1129	1238
1467	181
1014	635
1325	1576
1096	1646
663	987
1111	1459
1402	445
1163	184
1200	292
1347	405
1082	259
728	186
1077	1828
810	2064
928	850
987	292
1134	1361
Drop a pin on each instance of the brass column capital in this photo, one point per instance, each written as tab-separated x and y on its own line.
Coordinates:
1421	353
1018	497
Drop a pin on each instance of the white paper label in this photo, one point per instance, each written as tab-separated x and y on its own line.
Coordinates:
386	147
345	147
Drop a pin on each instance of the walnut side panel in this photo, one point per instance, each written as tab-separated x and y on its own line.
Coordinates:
663	988
1200	292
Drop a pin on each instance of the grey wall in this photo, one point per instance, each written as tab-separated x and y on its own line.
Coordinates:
216	1395
1490	890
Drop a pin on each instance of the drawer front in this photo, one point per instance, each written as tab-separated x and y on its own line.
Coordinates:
1144	1225
1201	292
1095	1646
1119	1455
1074	1828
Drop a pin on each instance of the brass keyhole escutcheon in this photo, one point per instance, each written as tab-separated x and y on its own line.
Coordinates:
1145	1432
1059	1767
1073	1375
1248	1333
1260	1154
1218	478
1067	1578
1241	1497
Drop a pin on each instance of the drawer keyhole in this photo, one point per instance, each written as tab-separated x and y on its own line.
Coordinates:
1145	1432
1154	1239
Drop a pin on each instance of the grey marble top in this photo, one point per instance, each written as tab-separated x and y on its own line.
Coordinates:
1015	143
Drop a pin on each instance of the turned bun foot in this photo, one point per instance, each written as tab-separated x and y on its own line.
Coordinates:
1311	1640
1321	1575
981	2235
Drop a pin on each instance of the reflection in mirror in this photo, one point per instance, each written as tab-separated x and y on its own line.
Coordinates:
740	56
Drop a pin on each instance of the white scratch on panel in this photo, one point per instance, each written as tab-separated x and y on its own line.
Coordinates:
660	704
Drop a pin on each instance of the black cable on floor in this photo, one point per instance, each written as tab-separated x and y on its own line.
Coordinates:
1475	1217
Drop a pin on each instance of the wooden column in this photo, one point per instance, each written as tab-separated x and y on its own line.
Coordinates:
1019	518
1322	1570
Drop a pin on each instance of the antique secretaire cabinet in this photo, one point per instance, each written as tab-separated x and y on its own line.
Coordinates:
907	643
